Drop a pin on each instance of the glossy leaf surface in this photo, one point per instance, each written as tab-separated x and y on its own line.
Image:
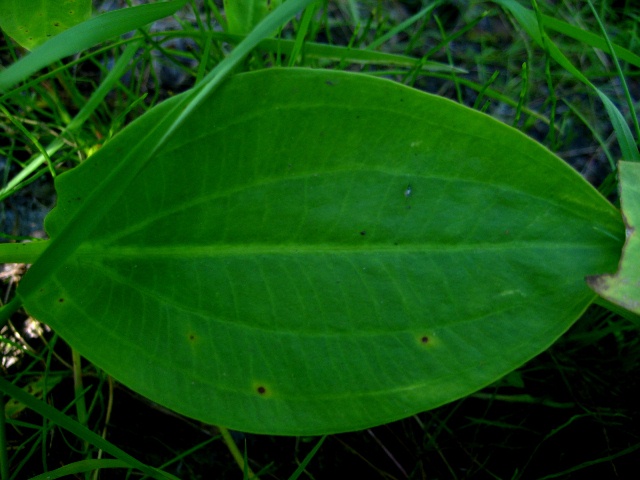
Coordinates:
318	251
623	288
33	22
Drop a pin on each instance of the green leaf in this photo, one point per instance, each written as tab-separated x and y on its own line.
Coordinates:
623	288
317	251
244	15
33	22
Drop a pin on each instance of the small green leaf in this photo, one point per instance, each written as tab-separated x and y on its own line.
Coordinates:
623	288
317	251
243	15
33	22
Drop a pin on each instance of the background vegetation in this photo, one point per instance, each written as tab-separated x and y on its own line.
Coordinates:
570	413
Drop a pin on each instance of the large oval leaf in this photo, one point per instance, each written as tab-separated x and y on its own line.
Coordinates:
319	251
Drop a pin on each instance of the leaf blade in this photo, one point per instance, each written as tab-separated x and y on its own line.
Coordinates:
292	283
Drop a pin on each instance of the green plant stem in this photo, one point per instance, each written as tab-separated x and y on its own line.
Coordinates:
235	452
4	457
81	405
9	309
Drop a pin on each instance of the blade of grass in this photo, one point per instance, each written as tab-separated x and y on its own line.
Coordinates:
186	453
589	38
83	466
552	97
608	458
403	26
301	34
53	415
307	459
31	138
527	19
623	82
85	35
239	458
336	53
83	115
576	111
4	457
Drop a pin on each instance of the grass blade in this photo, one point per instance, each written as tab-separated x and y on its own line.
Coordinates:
589	38
527	19
53	415
614	57
94	102
307	459
81	467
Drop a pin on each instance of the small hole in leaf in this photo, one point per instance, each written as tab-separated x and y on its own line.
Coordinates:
261	390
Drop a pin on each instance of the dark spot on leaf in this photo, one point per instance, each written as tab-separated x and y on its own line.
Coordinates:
330	82
424	339
363	233
261	390
60	300
56	24
192	337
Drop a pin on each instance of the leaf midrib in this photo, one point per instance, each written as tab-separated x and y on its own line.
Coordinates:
255	250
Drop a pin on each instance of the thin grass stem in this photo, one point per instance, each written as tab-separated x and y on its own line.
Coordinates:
235	452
